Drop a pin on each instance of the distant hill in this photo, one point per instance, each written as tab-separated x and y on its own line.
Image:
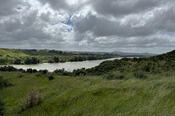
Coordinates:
28	56
125	54
152	64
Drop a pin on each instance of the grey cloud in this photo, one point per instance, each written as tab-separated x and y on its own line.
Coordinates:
111	25
56	4
103	27
63	5
8	7
161	21
124	7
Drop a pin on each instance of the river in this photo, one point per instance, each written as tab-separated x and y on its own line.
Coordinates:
68	66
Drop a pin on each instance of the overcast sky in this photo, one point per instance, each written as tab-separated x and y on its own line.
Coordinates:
88	25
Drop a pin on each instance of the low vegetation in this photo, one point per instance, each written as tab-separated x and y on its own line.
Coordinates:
51	77
2	107
140	75
4	83
89	95
127	87
33	98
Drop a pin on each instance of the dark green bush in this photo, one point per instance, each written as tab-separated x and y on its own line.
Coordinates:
38	74
32	60
20	75
33	98
17	61
51	77
3	61
140	75
110	76
31	70
43	71
79	72
2	107
4	83
63	72
120	77
8	68
113	76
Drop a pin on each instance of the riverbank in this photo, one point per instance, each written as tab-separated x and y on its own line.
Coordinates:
67	66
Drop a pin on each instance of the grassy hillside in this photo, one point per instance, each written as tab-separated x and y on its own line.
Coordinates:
12	53
127	87
155	64
17	56
87	96
8	56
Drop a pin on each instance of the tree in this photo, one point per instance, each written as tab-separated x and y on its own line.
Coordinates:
2	105
32	60
17	61
56	59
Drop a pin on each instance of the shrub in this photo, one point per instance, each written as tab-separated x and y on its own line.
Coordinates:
3	61
17	61
38	74
120	77
110	76
8	68
32	60
31	70
20	75
21	70
4	83
79	72
43	71
51	77
63	72
33	98
2	107
140	75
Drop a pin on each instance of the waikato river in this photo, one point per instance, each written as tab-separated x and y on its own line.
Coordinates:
67	66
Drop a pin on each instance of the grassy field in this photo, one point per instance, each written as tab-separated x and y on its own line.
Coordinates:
92	95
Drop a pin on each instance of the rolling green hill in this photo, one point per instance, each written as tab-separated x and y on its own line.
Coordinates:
22	56
155	64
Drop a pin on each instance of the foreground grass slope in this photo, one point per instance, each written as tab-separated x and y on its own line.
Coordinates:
92	96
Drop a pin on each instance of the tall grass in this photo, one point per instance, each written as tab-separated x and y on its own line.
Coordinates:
86	95
32	99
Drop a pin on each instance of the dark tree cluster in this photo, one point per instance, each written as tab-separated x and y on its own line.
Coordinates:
32	60
8	68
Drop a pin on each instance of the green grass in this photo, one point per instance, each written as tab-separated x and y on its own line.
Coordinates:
92	96
12	53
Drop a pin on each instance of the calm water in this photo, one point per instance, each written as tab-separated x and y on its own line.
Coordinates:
68	66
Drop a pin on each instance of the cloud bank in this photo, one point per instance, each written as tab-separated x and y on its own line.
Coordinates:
88	25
